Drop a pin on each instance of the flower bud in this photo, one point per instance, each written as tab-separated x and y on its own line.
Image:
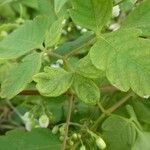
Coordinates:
100	143
26	117
55	129
62	130
61	138
71	143
75	136
82	147
44	121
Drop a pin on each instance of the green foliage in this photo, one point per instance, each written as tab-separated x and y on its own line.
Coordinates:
80	68
126	65
36	139
91	14
20	76
139	18
86	89
24	39
117	130
59	4
53	34
53	81
142	141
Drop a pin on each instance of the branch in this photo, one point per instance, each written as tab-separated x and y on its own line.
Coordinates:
70	104
110	110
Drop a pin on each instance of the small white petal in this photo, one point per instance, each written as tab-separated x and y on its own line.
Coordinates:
55	65
28	125
114	27
60	61
84	30
44	121
78	27
116	11
146	96
26	117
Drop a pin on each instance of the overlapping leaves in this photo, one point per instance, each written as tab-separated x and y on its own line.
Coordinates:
20	76
125	57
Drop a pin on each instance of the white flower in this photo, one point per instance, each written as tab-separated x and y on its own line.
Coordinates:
100	143
44	121
29	125
78	27
146	96
55	65
116	11
84	30
114	27
26	117
60	61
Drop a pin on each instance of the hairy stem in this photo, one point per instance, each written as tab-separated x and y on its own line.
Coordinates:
70	104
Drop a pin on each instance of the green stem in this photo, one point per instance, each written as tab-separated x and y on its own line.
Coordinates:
68	121
110	110
74	51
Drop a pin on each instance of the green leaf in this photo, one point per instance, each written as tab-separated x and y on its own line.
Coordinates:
39	139
59	4
142	108
139	18
78	43
125	58
45	7
5	68
91	14
26	38
54	33
20	76
119	133
30	3
86	90
142	141
87	69
53	81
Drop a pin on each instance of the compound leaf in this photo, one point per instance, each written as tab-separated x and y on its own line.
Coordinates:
91	14
126	59
53	81
20	76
